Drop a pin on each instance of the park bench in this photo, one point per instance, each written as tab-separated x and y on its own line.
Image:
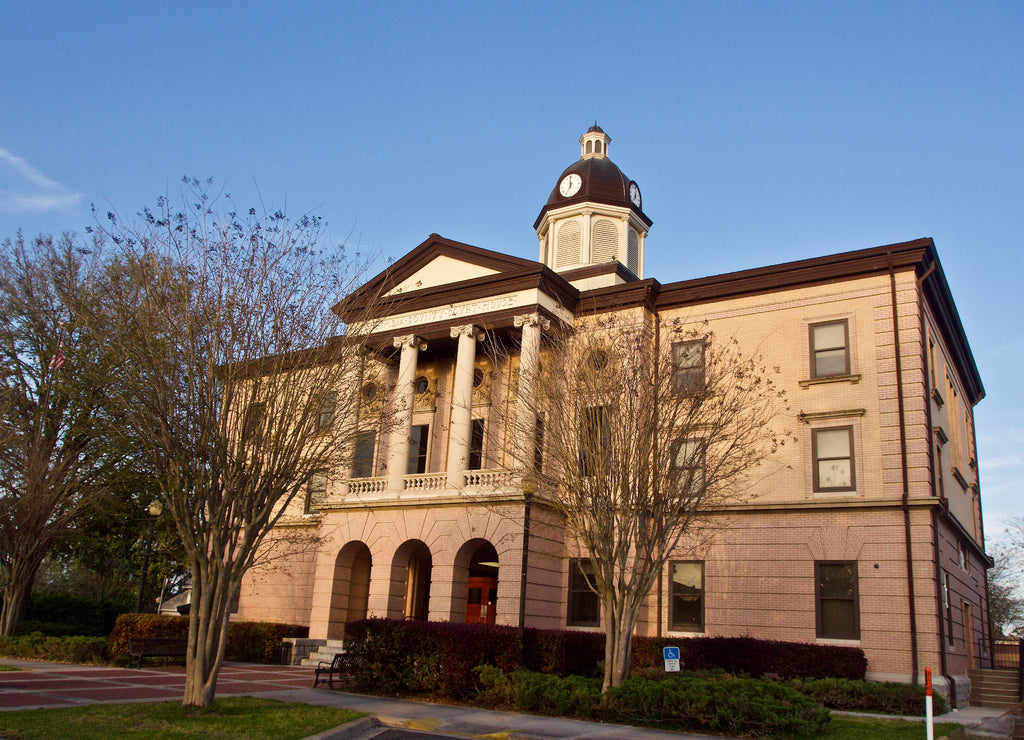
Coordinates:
156	647
331	668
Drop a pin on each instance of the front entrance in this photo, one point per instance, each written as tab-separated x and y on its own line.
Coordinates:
481	600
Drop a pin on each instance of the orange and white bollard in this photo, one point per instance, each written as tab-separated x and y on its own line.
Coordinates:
928	719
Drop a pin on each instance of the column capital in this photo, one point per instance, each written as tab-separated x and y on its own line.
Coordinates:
467	330
410	340
531	319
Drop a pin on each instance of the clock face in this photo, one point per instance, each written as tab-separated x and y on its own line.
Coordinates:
634	194
570	185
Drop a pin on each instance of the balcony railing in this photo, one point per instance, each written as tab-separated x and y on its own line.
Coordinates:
479	481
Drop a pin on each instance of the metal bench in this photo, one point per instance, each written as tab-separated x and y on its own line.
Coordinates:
156	647
330	669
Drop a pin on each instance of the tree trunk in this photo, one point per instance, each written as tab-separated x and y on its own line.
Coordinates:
618	625
207	632
21	575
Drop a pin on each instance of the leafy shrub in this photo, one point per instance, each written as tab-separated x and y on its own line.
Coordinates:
248	642
569	696
733	706
145	625
439	657
61	614
256	642
754	657
867	696
433	657
37	646
564	652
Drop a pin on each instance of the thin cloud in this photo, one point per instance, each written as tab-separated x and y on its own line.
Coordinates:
24	188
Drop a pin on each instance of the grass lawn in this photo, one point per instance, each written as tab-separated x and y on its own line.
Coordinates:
230	718
8	668
845	727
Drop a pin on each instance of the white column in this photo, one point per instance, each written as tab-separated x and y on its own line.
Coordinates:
462	405
398	446
526	406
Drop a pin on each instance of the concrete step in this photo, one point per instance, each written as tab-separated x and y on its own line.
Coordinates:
325	653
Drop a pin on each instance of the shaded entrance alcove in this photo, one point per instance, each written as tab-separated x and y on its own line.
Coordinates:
350	591
475	583
409	590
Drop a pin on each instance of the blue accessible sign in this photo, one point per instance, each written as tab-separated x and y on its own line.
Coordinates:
671	659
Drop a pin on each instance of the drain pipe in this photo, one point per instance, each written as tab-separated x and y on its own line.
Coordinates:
914	658
936	471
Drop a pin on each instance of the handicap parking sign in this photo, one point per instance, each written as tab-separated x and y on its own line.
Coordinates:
671	655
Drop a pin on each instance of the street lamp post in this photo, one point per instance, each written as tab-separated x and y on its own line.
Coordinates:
154	511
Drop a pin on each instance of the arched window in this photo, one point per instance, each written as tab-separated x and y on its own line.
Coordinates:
590	147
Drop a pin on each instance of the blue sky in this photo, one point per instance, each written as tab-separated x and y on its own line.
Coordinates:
759	132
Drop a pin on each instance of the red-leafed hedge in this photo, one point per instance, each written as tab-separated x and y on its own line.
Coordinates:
753	657
439	657
248	642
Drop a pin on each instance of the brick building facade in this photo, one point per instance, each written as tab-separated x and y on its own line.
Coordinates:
867	532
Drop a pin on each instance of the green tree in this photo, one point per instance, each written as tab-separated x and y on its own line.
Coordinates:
53	412
232	353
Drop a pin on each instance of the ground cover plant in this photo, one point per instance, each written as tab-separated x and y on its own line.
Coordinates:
719	705
231	718
38	646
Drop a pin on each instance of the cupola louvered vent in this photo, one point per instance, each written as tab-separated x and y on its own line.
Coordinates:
569	244
633	253
604	242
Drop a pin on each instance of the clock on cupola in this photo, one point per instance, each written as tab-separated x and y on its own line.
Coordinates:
594	219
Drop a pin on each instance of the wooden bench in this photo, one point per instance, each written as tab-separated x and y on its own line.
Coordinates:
331	669
156	647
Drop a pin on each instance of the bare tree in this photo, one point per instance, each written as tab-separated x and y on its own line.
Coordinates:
647	430
243	384
1006	607
52	408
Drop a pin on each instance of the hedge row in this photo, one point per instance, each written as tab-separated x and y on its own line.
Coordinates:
734	706
248	642
867	696
439	657
753	657
37	646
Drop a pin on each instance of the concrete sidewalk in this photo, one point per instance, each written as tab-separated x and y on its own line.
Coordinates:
39	684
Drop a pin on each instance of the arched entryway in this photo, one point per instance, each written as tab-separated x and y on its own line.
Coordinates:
475	587
409	593
350	591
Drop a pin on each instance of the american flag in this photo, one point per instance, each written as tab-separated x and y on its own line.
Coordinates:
57	361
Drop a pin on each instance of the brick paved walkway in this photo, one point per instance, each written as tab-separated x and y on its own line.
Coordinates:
56	685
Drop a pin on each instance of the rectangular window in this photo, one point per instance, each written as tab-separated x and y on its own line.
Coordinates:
584	608
832	450
687	597
316	491
325	417
253	422
595	434
688	366
689	466
476	445
830	349
838	610
418	437
362	455
947	607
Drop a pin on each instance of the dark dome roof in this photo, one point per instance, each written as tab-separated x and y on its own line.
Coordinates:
603	182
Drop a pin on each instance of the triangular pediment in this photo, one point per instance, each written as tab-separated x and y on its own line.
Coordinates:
438	262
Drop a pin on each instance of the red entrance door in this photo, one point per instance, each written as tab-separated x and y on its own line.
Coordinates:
481	600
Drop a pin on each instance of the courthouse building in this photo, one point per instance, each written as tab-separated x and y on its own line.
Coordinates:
868	531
